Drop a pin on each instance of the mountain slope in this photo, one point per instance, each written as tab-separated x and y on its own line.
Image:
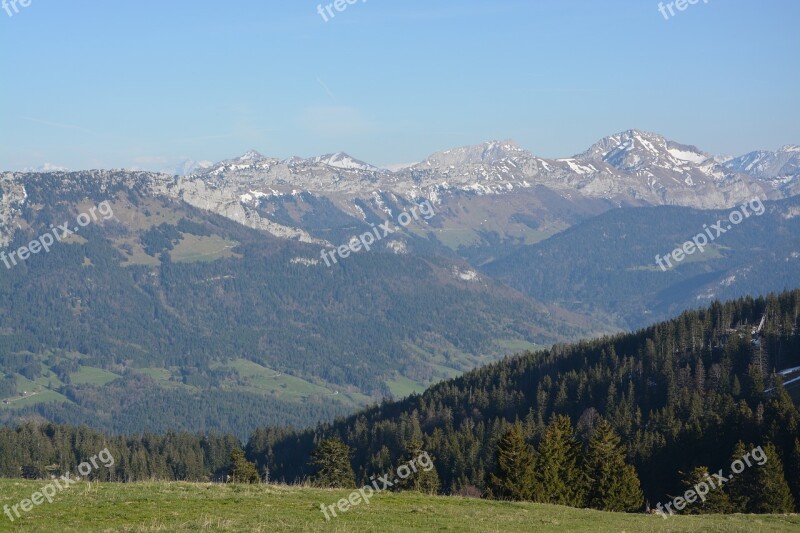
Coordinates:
663	172
165	305
695	383
781	169
607	264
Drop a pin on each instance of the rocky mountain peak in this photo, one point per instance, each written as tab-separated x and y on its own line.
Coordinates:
343	161
251	155
484	153
634	150
767	165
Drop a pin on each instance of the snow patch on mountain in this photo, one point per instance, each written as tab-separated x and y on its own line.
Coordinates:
781	166
343	161
304	261
687	155
398	247
465	275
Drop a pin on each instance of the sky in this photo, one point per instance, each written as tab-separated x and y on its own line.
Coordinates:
149	83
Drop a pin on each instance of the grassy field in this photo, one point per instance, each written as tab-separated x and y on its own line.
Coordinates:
206	249
402	386
261	379
92	376
208	507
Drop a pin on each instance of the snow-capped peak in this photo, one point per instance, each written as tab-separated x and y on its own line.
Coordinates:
252	155
343	161
766	165
634	150
485	153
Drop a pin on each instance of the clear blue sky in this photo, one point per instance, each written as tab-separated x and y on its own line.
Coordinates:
146	83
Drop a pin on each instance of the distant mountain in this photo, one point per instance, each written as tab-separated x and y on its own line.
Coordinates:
491	197
188	166
769	165
488	153
607	264
781	168
635	150
663	172
344	162
47	167
632	167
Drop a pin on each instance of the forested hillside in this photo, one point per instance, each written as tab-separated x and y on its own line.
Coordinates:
680	395
611	267
174	318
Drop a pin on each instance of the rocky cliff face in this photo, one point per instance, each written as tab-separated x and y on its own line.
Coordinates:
13	197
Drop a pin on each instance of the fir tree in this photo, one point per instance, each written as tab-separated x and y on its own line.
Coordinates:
513	478
331	458
715	501
771	491
614	485
242	470
558	470
783	421
741	487
423	476
794	473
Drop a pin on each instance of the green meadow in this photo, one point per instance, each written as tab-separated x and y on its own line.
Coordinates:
167	507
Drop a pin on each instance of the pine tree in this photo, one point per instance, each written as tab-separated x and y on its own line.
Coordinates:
242	470
557	466
794	473
716	499
614	485
783	420
513	478
331	458
755	377
772	494
423	476
741	487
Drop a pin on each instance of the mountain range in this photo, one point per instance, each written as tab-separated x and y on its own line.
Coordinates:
632	168
204	301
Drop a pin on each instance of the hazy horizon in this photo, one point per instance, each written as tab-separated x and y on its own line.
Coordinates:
213	81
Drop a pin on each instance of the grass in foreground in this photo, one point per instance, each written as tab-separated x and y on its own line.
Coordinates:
204	506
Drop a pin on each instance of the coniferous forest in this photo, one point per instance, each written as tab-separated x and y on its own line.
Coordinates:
617	423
